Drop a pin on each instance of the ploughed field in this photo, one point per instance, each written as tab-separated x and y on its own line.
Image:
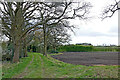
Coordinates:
89	58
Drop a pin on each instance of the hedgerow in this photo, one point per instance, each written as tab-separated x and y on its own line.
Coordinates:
75	48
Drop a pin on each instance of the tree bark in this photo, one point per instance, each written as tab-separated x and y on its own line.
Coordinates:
25	55
16	53
25	48
21	50
45	41
55	48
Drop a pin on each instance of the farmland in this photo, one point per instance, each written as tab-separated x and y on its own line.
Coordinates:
47	39
39	66
87	48
89	58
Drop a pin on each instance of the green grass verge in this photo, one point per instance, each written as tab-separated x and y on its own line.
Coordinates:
0	70
48	67
11	69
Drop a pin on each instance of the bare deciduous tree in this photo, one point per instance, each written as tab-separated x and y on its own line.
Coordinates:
57	36
55	13
111	9
19	19
16	22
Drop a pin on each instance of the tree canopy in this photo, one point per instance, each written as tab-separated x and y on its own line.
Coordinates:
19	19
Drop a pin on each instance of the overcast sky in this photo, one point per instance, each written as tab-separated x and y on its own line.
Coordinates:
95	30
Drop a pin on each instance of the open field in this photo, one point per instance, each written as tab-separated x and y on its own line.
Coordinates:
39	66
59	39
87	48
89	58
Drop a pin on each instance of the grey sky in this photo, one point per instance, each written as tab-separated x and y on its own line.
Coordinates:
94	30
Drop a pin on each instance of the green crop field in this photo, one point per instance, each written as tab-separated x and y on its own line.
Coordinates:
111	49
86	48
39	66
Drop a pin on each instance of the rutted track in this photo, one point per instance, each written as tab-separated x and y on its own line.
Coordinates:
21	75
42	66
89	58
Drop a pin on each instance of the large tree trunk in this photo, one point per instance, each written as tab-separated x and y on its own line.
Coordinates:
55	45
45	42
21	50
25	48
55	48
16	53
45	49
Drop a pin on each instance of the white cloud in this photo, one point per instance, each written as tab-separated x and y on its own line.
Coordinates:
95	40
96	31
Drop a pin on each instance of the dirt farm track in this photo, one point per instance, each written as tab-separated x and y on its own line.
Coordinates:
89	58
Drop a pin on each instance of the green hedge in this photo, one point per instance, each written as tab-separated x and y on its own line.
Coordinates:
83	48
75	48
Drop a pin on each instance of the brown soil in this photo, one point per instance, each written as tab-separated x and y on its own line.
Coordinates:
89	58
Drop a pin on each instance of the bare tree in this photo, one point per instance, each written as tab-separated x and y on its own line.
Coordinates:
16	22
58	12
19	19
57	36
111	9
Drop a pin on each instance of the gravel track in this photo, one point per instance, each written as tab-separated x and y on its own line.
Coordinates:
89	58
